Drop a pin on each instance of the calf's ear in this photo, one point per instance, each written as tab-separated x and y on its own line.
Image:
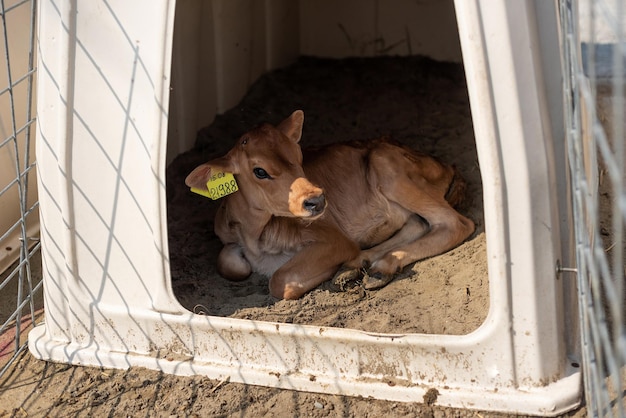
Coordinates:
199	177
292	126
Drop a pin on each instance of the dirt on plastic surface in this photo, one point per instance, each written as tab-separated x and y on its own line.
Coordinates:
37	389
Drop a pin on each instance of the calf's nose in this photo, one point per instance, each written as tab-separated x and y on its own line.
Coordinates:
315	205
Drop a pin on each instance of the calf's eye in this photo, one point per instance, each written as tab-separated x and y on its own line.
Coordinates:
260	173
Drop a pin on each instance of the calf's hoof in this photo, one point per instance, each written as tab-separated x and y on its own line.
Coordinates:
346	277
376	280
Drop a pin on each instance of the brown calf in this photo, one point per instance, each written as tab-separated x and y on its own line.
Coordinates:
371	207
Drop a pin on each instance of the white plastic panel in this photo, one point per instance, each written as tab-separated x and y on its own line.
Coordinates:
102	138
375	27
220	48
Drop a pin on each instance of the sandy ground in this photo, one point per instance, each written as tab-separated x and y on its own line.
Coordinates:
39	389
416	101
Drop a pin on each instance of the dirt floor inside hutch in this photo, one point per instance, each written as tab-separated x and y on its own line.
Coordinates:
417	101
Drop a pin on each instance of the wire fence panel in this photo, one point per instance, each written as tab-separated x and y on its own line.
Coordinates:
594	47
594	56
20	263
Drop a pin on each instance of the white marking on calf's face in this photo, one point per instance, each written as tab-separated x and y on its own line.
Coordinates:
300	190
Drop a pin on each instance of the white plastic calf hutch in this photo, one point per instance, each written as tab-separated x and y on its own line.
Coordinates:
104	106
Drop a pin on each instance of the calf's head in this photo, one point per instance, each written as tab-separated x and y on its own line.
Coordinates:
267	163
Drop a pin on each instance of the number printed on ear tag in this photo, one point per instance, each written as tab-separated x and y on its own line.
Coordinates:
220	185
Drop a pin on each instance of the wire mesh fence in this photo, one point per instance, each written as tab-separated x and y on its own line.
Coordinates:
20	287
594	51
594	68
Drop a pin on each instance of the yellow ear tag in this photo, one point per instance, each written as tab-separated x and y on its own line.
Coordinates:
219	185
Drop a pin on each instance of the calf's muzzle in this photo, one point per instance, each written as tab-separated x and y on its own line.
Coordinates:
315	205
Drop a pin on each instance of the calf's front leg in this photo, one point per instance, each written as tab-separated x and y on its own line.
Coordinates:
315	263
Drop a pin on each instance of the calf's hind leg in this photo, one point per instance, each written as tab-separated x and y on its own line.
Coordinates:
418	184
447	229
413	229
